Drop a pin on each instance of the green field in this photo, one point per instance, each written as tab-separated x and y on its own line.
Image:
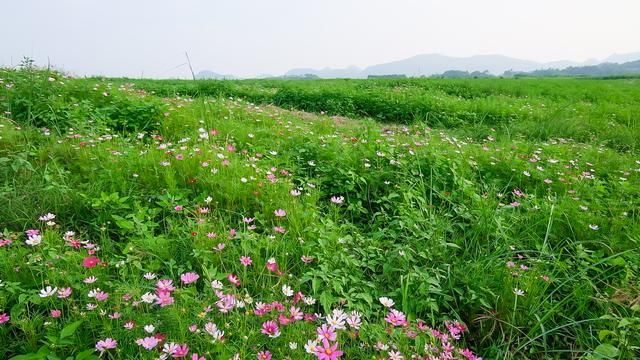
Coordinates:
503	212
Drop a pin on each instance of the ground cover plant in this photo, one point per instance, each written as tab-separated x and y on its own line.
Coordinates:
145	220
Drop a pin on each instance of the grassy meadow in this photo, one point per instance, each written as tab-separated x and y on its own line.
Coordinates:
326	219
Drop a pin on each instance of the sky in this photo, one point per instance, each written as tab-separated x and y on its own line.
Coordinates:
250	37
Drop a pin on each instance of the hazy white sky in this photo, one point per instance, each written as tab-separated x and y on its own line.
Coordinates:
249	37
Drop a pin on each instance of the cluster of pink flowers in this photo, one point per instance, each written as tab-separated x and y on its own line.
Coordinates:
164	288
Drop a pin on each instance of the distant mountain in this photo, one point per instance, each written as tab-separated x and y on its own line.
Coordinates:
622	58
432	64
210	75
437	64
295	77
349	72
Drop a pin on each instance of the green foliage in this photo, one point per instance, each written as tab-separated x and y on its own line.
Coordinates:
508	204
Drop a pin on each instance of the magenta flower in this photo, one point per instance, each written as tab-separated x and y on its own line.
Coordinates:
328	351
56	313
4	318
197	357
91	261
188	278
270	328
264	355
106	344
396	318
233	279
272	265
245	260
180	351
326	332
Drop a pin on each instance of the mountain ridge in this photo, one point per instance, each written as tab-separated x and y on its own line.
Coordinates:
433	63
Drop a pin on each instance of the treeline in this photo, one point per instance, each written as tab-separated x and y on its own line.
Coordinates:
600	70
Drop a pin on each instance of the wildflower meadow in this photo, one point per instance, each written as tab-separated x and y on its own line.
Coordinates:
218	220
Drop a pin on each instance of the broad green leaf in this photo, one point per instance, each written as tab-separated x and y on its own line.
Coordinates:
70	329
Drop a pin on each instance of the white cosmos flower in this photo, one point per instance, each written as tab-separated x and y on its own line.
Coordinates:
48	291
216	284
386	302
47	217
34	240
287	291
311	346
149	298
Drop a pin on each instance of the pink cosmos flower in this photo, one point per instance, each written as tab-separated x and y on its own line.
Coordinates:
337	199
326	332
90	261
165	285
106	344
264	355
279	229
197	357
226	303
182	351
219	247
188	278
245	260
396	318
4	318
273	266
296	313
178	208
56	313
32	232
469	355
233	279
270	328
148	342
102	296
164	299
280	213
64	293
455	329
115	316
328	351
129	325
